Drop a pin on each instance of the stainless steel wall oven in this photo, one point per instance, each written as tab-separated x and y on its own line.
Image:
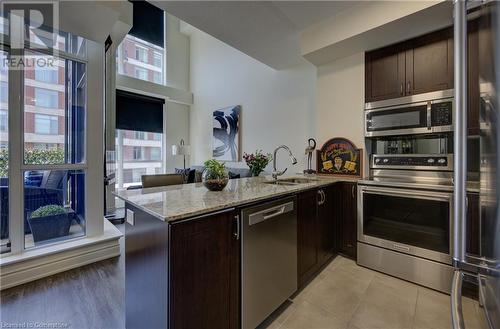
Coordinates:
415	222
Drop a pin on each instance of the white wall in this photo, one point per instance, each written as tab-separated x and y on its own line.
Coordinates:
177	123
340	100
277	106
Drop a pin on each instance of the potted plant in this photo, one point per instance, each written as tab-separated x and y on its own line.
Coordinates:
215	176
257	162
49	222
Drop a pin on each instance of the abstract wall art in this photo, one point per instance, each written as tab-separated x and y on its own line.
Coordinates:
226	133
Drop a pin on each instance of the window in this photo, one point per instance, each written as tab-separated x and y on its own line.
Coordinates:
54	199
4	121
141	74
46	98
3	90
137	157
139	135
141	54
46	75
158	59
4	156
144	46
138	153
46	124
155	154
157	78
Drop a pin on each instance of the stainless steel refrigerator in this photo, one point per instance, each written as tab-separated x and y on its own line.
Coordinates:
484	268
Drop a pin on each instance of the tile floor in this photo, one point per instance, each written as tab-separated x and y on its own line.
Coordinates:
347	296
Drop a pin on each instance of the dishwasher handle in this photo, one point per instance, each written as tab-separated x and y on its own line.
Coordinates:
269	213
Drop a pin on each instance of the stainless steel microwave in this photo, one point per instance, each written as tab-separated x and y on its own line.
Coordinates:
416	114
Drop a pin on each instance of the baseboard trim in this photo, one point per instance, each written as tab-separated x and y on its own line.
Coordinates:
19	272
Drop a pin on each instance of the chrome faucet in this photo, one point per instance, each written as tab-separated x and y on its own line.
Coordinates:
277	172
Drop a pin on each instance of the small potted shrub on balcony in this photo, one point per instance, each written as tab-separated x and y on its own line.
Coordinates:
49	222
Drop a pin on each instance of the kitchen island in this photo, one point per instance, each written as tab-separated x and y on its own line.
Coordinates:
183	246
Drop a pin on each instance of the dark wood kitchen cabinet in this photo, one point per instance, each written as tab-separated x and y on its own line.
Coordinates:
347	220
182	274
204	277
419	65
307	250
315	231
384	73
326	223
429	62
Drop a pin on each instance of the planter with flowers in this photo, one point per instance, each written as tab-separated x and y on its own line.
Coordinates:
257	161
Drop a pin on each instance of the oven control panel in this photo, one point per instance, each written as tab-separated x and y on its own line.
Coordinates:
412	161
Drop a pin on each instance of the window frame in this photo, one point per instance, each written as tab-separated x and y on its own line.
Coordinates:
92	57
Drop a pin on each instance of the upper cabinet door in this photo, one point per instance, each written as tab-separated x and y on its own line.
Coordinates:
384	73
429	63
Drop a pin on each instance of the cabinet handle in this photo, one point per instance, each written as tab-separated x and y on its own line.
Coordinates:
237	232
320	202
408	85
324	196
352	191
401	89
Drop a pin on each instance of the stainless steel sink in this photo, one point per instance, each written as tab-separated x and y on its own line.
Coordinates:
291	181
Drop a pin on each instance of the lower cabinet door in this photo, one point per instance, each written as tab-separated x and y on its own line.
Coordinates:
348	220
204	273
307	251
326	224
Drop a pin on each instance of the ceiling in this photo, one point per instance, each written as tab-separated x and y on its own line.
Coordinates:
268	31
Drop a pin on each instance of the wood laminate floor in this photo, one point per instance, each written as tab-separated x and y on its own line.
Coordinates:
92	296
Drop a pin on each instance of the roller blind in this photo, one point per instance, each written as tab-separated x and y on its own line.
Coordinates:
138	112
148	23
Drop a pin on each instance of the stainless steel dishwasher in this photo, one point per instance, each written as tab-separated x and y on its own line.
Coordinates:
269	258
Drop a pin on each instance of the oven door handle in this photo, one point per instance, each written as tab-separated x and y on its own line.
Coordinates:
433	196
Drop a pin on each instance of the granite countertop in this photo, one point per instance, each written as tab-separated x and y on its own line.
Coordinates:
170	203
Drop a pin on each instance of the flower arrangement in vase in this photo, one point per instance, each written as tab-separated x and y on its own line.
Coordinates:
257	161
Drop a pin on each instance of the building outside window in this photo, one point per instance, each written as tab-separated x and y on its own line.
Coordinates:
46	98
141	73
141	54
3	91
46	124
